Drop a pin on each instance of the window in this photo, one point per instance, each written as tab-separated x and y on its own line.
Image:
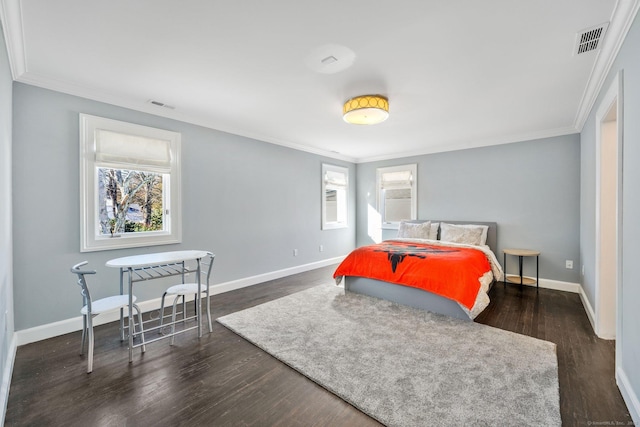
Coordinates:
397	194
335	191
129	185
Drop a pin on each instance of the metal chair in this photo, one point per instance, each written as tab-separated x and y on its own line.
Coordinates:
91	309
184	289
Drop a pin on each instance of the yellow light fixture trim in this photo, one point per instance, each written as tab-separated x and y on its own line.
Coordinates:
366	110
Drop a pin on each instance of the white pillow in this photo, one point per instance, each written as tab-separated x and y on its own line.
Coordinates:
433	233
469	234
414	231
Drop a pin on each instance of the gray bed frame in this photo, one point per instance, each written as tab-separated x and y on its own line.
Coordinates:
414	297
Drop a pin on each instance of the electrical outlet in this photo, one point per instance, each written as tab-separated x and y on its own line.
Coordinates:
321	248
569	264
295	252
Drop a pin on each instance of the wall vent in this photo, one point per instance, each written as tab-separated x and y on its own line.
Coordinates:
161	104
590	39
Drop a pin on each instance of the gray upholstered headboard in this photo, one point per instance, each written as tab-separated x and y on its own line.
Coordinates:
492	232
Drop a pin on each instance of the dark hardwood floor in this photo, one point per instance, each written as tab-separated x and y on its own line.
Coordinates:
222	379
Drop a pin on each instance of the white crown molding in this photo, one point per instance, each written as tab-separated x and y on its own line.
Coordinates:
466	144
289	144
34	79
11	16
621	19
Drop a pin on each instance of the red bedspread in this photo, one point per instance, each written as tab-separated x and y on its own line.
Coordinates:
449	271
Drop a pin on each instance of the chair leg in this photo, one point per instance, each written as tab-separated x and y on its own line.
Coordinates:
184	309
161	313
91	341
173	318
144	348
209	311
84	333
197	302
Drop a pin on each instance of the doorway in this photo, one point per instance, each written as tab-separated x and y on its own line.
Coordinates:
608	210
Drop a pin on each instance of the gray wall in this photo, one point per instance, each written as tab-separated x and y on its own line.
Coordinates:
627	60
253	223
6	279
531	189
248	201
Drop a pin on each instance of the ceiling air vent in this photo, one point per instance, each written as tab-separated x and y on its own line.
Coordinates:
161	104
590	39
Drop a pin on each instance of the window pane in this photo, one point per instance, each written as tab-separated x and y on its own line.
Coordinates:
397	194
335	181
341	206
331	197
129	201
397	204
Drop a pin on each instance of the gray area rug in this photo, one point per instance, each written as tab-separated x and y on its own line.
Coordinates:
404	366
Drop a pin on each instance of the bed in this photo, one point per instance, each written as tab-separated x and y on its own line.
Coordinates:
405	251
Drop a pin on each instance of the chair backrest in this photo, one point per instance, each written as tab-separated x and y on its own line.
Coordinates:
82	282
207	266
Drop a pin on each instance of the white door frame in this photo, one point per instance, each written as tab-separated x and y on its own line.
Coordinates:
612	98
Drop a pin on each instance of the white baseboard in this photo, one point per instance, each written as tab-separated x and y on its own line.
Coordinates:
50	330
554	284
560	286
628	395
7	371
591	314
261	278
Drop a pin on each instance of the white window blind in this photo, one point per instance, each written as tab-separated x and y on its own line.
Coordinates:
335	180
396	180
117	149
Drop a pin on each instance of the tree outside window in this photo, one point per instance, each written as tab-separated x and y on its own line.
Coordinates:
129	201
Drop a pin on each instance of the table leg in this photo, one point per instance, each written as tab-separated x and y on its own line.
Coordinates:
520	268
198	299
131	329
121	309
537	276
504	263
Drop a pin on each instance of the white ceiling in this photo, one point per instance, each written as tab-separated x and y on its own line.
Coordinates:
457	74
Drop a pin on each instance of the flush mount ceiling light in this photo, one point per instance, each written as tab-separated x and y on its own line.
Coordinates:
366	110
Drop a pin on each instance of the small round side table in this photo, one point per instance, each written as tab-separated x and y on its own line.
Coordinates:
521	253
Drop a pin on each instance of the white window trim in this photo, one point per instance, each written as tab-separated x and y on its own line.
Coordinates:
90	240
413	168
334	225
